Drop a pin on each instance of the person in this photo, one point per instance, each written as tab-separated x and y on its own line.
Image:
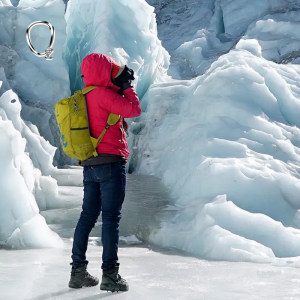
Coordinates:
104	176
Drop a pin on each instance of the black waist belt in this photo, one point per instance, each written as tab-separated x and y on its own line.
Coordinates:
102	159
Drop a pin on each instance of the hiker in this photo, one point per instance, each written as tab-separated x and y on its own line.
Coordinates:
104	176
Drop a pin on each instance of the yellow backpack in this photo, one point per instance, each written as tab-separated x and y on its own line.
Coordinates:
72	120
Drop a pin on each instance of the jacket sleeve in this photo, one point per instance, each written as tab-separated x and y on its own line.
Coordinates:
127	106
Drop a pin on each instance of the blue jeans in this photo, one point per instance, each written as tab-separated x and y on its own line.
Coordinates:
104	190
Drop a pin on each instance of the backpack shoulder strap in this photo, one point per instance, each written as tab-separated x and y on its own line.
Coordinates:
112	120
88	89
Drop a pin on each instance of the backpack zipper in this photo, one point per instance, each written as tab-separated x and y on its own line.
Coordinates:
81	128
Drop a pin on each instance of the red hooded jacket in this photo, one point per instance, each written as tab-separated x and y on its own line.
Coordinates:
96	69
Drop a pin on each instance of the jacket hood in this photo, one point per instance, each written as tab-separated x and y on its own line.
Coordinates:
96	69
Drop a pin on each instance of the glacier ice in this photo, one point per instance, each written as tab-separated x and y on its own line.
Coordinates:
35	80
197	32
30	88
277	36
225	143
123	29
232	131
21	225
39	83
28	181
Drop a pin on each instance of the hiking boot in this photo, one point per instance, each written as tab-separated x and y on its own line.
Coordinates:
112	281
80	277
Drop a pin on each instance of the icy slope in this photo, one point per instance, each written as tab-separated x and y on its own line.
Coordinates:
28	181
226	144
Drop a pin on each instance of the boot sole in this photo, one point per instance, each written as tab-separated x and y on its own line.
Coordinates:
104	287
74	286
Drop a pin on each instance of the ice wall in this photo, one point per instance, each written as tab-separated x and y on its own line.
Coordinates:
36	80
39	83
123	29
227	146
197	32
181	21
277	36
27	178
21	184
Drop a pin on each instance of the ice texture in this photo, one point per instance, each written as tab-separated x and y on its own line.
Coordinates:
277	36
28	182
197	32
165	275
37	79
21	225
39	83
226	145
123	29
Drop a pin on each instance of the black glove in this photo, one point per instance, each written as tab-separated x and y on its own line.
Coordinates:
123	81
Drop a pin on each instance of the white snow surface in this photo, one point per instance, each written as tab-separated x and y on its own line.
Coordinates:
44	274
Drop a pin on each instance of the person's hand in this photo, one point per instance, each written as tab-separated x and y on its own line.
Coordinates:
123	81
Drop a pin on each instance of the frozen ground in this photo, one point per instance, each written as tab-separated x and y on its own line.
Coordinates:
152	272
43	274
146	202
